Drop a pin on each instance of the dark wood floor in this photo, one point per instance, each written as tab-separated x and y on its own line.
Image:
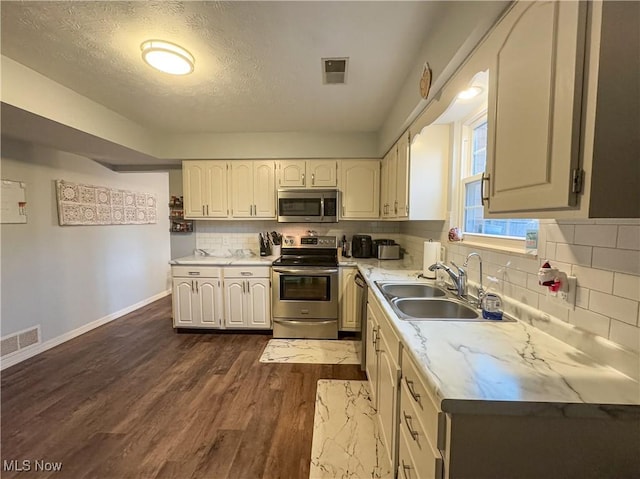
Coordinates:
134	399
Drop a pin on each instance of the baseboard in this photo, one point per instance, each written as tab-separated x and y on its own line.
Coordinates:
29	352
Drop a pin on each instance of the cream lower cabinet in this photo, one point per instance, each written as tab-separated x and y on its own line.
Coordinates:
383	371
253	193
197	298
247	298
360	189
348	300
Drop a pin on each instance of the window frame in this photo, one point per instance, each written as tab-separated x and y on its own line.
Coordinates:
465	167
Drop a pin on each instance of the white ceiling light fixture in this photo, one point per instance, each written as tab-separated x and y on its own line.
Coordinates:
469	93
167	57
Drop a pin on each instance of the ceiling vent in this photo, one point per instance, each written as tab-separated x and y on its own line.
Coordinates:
334	70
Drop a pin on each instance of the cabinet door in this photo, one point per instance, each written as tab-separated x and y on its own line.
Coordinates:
242	182
360	184
185	310
216	204
391	184
384	184
209	304
264	191
194	188
388	373
322	174
234	303
371	363
258	303
291	174
535	106
402	177
348	305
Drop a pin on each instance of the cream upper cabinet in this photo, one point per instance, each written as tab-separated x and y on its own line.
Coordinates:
574	68
253	189
427	159
388	182
360	188
534	107
291	173
401	207
307	174
205	189
322	173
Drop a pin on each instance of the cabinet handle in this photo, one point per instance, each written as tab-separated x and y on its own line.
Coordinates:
303	178
202	210
343	209
395	208
313	179
243	291
442	428
255	210
414	394
485	177
197	290
246	273
194	273
207	210
407	419
192	286
405	468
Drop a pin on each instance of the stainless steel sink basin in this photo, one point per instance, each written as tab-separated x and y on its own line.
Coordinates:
429	309
410	290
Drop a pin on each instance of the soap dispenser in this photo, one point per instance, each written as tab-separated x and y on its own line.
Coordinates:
491	302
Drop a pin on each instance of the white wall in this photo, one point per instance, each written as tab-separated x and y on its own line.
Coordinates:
63	278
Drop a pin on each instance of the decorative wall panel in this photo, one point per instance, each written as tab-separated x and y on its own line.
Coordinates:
98	205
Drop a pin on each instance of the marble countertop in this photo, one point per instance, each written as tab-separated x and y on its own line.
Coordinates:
235	260
505	368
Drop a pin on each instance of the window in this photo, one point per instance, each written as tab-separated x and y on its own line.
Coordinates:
474	158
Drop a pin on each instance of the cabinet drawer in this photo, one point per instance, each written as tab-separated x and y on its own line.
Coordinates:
195	272
247	272
415	396
414	463
386	329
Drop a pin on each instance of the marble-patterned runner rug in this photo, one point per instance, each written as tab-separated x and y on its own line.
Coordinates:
346	441
317	351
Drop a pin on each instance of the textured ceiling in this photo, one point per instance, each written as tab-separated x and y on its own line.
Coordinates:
258	64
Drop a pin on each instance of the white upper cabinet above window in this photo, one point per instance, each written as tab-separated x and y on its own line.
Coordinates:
307	174
564	111
534	106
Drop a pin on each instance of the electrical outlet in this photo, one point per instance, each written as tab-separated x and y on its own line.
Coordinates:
567	297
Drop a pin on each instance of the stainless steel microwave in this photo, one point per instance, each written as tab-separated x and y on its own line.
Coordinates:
308	206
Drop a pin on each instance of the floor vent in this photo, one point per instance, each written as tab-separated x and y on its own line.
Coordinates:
334	70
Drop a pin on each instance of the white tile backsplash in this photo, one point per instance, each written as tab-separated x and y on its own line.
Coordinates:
627	286
590	321
615	307
593	278
574	254
625	334
596	235
629	237
626	261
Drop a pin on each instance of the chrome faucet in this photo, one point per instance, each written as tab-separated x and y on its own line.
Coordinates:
459	279
466	263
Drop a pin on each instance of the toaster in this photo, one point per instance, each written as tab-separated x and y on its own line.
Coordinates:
389	251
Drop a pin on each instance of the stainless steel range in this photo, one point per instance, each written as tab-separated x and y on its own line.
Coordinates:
305	288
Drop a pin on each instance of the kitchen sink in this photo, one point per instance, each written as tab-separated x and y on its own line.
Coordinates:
410	290
429	309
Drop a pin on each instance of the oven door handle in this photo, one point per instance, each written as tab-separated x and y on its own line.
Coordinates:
315	322
306	272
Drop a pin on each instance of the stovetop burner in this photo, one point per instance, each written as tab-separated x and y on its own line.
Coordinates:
309	251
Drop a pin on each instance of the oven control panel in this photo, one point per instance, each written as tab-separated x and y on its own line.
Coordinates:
310	242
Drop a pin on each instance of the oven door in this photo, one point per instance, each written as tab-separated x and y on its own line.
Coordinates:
305	292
